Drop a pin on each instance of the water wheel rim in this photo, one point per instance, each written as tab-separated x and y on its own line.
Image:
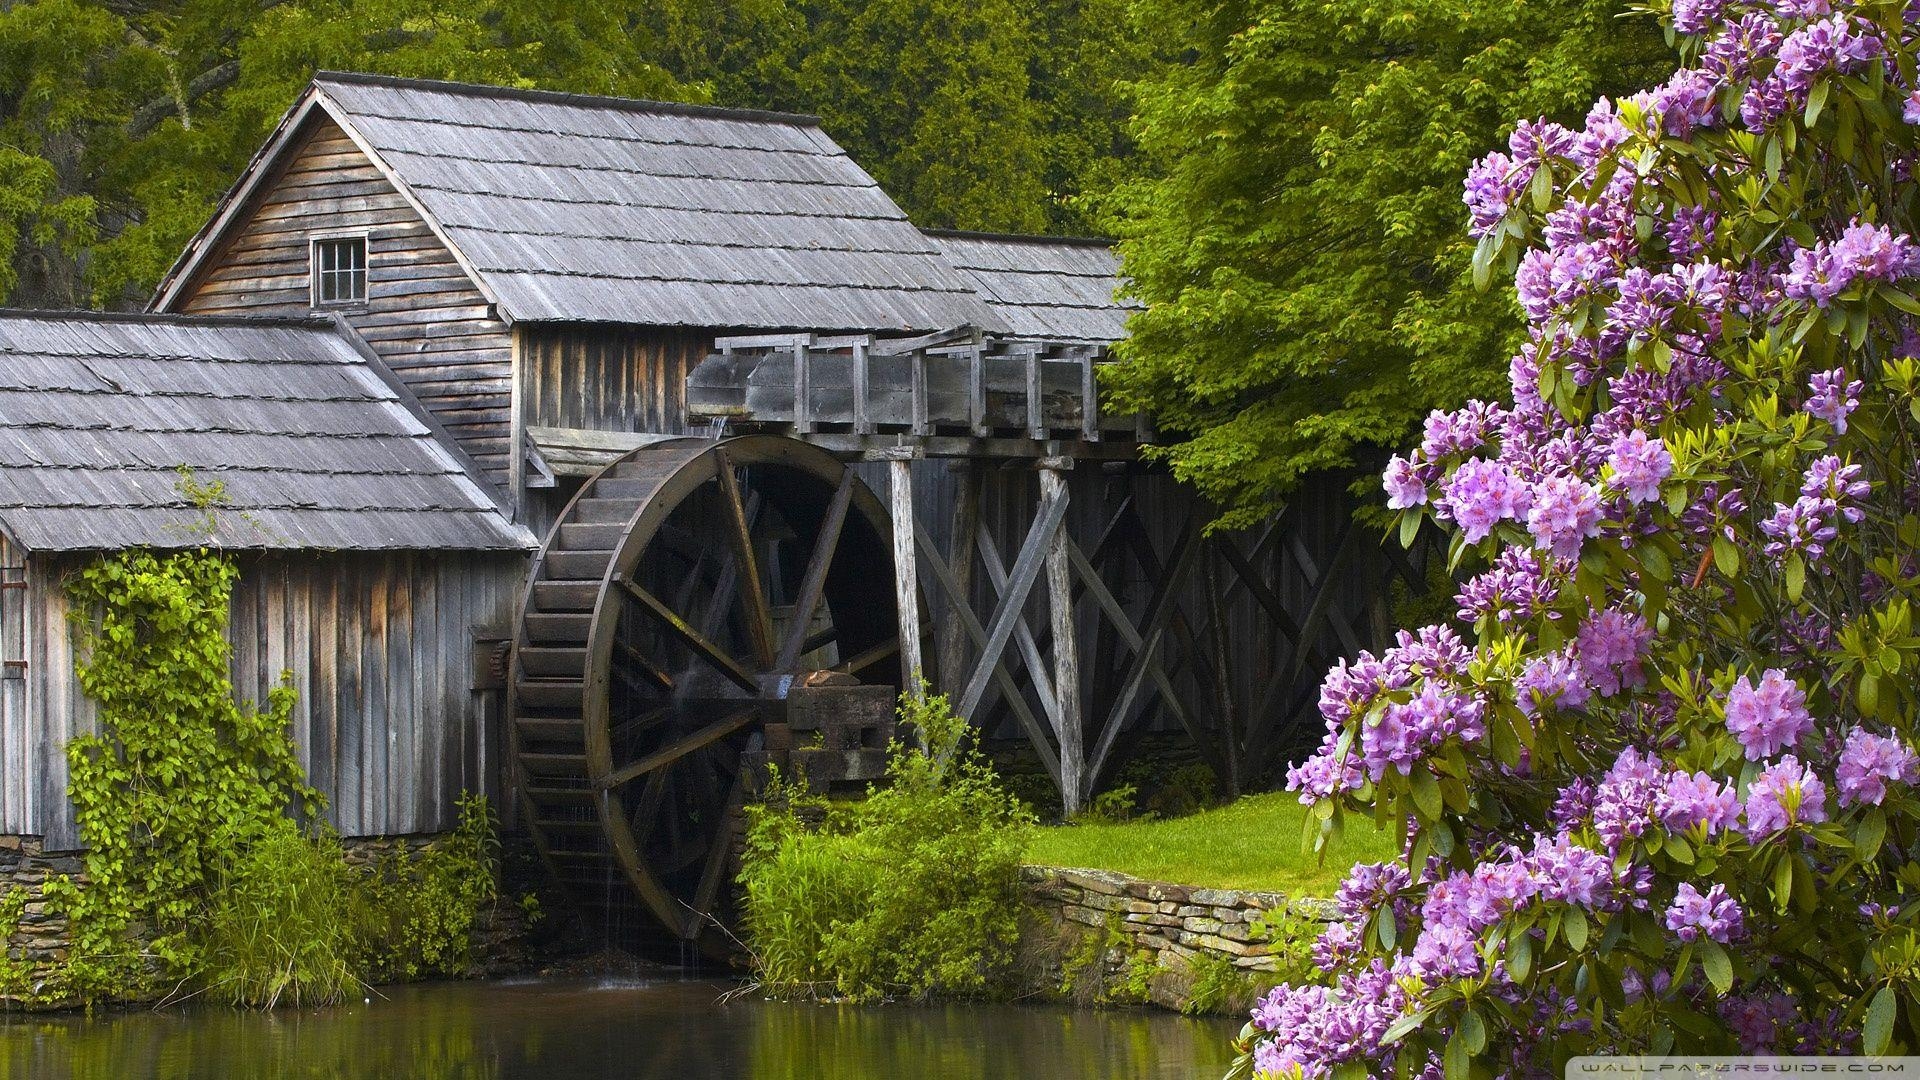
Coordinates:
699	464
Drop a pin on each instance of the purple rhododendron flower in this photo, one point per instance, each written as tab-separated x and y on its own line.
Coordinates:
1404	484
1769	716
1564	513
1697	801
1868	763
1714	915
1609	646
1480	494
1639	465
1833	398
1785	793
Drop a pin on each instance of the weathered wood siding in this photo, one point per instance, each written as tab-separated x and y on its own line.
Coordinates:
379	649
423	314
609	378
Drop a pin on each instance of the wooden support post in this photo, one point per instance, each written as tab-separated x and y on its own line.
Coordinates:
1089	400
917	360
977	391
802	388
906	579
862	380
966	518
1036	415
1068	726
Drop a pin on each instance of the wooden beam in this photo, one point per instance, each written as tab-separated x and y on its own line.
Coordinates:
961	526
693	639
977	391
906	581
1089	401
1026	570
802	388
1036	419
962	609
753	593
1068	723
814	584
1147	647
681	747
1022	636
862	389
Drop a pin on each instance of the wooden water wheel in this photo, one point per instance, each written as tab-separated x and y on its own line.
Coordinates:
683	592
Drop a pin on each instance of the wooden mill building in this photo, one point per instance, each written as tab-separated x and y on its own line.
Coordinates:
594	452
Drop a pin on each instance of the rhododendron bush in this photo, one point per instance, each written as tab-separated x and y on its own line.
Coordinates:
1657	783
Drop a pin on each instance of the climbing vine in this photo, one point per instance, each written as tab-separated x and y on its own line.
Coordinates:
206	867
178	774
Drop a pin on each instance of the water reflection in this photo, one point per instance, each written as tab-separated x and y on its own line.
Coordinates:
557	1030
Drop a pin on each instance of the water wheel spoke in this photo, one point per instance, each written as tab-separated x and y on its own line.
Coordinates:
813	585
718	856
636	659
644	718
646	810
702	647
681	747
866	659
754	607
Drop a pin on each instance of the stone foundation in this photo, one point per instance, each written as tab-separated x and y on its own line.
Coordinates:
1125	925
37	942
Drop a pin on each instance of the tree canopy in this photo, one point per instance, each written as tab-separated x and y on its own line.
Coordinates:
1301	244
121	124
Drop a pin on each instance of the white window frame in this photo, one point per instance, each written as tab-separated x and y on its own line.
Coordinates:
314	240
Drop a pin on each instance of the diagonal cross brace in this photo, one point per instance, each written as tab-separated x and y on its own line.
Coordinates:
1013	601
963	610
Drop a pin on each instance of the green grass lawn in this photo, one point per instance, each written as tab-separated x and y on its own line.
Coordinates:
1253	843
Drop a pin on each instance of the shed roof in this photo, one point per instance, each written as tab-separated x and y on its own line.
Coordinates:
567	208
1044	287
315	449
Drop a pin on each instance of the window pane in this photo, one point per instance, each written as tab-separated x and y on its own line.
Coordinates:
340	270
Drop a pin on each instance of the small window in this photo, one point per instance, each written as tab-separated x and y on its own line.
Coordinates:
340	271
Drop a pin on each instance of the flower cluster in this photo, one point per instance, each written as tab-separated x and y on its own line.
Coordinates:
1684	726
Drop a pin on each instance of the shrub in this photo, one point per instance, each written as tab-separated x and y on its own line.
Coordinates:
1663	801
910	892
417	910
281	923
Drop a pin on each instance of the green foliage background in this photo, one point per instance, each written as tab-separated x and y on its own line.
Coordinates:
122	123
1300	238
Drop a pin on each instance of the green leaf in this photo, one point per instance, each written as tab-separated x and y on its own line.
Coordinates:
1717	964
1426	793
1870	834
1796	577
1409	527
1520	957
1816	100
1474	1031
1877	1031
1575	927
1726	557
1459	1059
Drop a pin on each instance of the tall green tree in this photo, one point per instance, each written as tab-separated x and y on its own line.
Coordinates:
1301	247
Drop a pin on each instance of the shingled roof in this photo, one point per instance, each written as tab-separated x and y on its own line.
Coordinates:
567	208
1044	287
98	415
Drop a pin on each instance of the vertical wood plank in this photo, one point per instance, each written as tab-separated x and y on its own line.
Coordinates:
906	581
1066	652
862	381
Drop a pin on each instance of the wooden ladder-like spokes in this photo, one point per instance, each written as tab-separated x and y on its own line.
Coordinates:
683	592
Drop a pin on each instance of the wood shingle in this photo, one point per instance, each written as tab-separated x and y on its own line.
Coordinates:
313	447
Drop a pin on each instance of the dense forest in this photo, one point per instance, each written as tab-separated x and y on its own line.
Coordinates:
1282	175
122	122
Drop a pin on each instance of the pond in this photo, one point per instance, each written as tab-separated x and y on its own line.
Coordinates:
561	1029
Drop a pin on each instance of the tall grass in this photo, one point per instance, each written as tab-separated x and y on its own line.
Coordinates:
281	925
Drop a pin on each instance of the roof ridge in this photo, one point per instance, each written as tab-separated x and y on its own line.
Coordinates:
1022	238
154	318
557	97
